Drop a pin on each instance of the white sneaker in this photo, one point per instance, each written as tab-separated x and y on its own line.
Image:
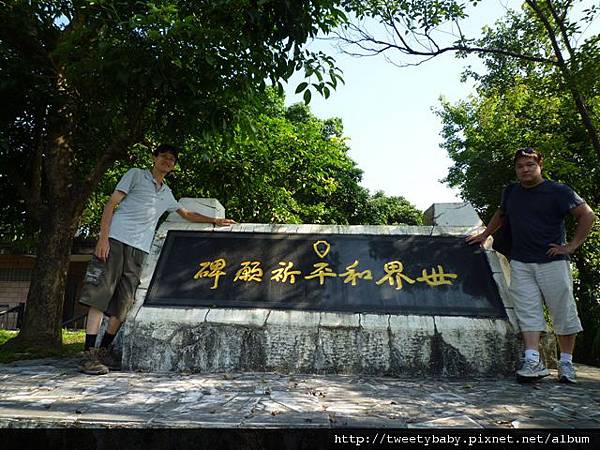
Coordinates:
566	372
532	370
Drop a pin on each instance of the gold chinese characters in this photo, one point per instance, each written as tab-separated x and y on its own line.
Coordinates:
286	273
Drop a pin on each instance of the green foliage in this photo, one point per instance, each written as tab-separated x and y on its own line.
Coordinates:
99	77
482	134
587	293
414	15
520	34
383	210
521	105
293	168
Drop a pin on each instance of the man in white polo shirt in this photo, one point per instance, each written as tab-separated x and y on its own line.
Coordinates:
126	232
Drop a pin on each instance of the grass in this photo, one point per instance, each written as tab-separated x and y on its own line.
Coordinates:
72	344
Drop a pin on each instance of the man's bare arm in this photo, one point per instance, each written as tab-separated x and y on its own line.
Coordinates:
102	246
201	218
585	218
496	222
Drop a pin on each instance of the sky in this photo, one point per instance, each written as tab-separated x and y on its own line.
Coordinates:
394	135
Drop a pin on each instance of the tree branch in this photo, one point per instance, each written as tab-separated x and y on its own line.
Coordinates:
561	26
582	106
116	148
407	49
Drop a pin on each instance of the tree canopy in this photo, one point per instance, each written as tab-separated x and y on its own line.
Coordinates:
93	78
544	35
294	168
84	82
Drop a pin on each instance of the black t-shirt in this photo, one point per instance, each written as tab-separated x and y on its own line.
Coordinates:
536	217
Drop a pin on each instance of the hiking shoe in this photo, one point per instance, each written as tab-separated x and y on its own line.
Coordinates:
566	372
109	359
91	363
532	371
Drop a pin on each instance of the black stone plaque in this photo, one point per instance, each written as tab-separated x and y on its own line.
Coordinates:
325	272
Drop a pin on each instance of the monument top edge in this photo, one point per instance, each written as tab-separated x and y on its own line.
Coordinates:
426	230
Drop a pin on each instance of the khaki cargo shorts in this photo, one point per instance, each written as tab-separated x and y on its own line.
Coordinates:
110	286
532	284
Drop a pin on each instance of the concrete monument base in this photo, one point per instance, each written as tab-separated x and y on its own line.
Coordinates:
217	340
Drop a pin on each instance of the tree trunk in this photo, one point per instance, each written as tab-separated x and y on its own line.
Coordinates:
587	348
586	118
44	308
61	210
57	225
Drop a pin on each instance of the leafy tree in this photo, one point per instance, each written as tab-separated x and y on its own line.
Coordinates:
544	36
84	82
384	210
481	135
294	168
540	88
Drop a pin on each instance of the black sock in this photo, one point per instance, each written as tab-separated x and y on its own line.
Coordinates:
107	340
90	341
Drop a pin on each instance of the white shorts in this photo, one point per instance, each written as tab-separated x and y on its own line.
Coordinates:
531	284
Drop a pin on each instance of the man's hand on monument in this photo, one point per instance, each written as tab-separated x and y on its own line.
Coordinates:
556	250
476	239
196	217
224	222
102	249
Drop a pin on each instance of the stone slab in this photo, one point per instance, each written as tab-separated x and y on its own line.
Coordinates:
209	207
453	214
251	399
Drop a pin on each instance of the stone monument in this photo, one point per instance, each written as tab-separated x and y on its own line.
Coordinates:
380	300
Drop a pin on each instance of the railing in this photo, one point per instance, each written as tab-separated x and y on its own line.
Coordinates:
12	319
76	323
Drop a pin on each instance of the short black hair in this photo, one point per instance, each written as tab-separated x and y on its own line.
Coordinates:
167	148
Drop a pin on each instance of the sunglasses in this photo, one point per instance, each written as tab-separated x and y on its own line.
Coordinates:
527	151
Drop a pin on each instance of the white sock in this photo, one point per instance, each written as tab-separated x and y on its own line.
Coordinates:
532	355
566	357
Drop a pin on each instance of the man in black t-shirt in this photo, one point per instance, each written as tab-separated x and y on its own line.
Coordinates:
540	270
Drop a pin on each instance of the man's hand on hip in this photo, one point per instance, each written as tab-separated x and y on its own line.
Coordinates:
556	250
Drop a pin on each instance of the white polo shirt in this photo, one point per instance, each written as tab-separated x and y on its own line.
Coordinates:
135	219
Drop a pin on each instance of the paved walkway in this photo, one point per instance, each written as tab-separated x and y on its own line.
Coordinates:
52	393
